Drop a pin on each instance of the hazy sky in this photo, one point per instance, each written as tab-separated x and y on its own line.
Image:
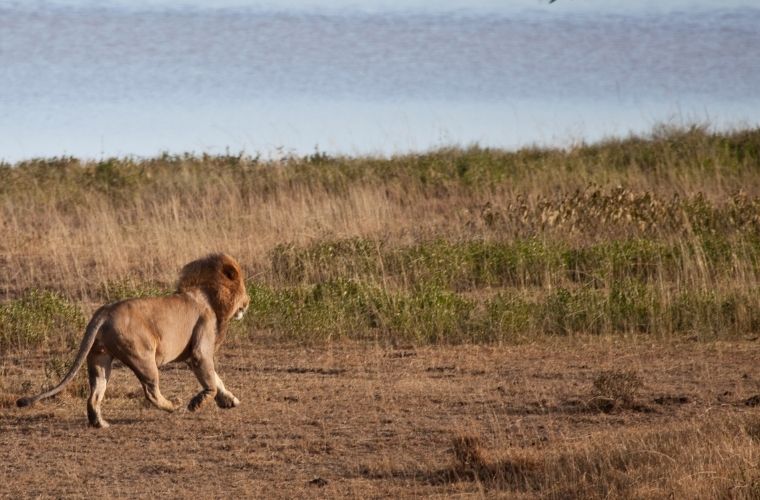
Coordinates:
81	80
427	5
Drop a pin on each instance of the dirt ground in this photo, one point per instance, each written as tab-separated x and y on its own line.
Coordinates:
349	420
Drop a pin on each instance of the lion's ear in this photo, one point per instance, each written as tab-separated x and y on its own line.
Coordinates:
230	272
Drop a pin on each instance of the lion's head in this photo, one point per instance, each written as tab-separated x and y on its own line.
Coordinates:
220	278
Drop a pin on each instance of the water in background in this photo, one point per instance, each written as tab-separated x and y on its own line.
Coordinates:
94	79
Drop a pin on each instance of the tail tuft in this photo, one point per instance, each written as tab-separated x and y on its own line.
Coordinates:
22	402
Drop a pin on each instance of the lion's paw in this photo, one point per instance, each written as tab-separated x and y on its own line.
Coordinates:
196	402
226	401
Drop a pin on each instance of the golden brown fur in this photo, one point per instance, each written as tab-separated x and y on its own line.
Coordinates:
149	332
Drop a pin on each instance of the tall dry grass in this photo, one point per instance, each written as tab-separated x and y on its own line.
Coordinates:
641	235
703	458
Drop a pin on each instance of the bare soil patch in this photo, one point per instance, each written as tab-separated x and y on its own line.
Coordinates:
356	420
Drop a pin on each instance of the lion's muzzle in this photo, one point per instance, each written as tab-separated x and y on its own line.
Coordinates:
240	313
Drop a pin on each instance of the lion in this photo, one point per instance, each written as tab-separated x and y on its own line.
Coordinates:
145	333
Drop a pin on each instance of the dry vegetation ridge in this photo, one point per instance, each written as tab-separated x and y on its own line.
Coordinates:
532	324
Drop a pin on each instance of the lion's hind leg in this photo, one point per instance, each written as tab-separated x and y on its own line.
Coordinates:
147	372
98	371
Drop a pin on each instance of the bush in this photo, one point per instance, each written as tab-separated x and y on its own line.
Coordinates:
37	318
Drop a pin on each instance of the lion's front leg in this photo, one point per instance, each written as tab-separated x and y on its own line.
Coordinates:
202	361
204	372
224	398
213	387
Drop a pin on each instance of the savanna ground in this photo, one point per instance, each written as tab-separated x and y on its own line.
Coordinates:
575	323
362	421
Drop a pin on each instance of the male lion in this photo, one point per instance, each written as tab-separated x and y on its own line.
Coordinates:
149	332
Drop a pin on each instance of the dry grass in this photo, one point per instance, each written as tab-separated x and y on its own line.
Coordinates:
358	420
77	227
655	235
632	463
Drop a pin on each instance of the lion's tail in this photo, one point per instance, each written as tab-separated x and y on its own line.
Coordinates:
84	348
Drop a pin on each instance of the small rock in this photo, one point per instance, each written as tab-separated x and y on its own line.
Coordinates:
318	481
753	401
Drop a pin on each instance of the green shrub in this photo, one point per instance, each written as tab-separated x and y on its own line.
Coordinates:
37	318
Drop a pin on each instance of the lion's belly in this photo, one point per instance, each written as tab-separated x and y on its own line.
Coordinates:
174	336
168	352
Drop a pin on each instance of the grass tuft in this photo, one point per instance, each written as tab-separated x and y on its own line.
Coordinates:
616	389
